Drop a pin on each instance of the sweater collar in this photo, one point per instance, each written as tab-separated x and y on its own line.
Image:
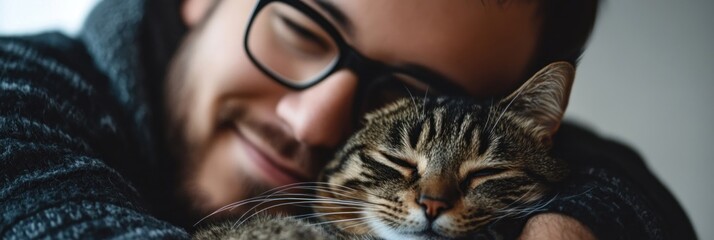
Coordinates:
131	42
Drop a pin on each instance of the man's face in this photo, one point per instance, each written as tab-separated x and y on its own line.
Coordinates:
238	132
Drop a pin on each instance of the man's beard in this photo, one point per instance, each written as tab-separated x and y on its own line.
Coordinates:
189	152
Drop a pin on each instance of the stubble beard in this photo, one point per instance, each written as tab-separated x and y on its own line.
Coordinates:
190	152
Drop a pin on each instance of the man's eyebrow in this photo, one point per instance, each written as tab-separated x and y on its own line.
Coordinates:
336	14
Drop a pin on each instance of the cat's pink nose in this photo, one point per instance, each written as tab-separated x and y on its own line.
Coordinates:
432	206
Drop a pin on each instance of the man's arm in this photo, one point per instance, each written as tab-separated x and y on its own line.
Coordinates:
58	126
555	226
610	195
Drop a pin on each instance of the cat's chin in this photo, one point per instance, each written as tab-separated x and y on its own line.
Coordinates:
428	233
388	233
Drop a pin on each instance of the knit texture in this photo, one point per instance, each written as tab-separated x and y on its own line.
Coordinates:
79	156
612	191
59	127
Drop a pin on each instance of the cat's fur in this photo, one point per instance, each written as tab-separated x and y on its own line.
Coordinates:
435	168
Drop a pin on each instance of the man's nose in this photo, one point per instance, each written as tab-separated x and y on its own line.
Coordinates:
321	115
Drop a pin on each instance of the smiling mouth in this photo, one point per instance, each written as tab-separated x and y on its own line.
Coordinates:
273	172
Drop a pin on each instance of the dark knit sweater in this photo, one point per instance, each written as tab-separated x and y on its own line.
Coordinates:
59	129
79	156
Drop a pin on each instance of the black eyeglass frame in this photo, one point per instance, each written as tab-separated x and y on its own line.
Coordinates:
367	70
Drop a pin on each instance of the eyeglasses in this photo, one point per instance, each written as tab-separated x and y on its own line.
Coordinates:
297	47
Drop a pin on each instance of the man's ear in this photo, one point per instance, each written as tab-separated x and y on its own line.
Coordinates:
193	11
540	102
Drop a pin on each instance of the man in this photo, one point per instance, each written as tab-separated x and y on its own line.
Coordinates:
253	99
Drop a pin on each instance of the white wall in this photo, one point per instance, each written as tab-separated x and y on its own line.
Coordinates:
646	79
28	16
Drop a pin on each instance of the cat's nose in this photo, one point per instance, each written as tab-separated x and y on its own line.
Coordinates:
433	206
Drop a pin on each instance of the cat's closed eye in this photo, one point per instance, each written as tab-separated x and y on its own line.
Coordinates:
484	172
400	162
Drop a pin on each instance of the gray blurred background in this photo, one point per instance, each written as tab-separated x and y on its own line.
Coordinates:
645	80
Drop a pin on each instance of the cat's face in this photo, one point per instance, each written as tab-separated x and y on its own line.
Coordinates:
443	167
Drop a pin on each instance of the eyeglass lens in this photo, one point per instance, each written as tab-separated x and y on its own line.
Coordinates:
295	48
291	45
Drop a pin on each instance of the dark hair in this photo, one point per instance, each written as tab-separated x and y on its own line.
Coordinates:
566	28
163	30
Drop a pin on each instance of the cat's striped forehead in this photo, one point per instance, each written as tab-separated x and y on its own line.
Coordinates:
446	132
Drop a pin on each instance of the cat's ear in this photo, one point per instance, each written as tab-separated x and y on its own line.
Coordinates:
541	101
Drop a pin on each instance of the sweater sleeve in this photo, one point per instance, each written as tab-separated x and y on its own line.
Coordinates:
58	127
612	191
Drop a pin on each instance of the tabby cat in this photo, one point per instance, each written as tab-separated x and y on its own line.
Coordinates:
433	168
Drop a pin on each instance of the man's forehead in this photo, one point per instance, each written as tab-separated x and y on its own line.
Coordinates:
483	47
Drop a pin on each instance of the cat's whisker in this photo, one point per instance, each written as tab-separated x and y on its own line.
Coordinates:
342	207
416	108
272	200
296	198
345	220
327	204
287	188
326	190
359	223
423	108
230	206
307	197
303	185
318	197
268	198
479	222
343	189
576	195
329	190
338	185
242	220
265	194
349	198
270	193
300	184
488	116
508	211
480	219
526	210
314	215
538	208
519	198
495	124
